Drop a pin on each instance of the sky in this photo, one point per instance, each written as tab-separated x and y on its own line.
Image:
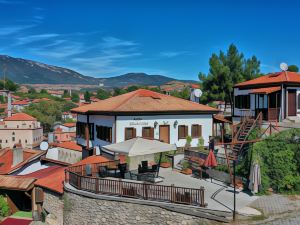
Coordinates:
167	37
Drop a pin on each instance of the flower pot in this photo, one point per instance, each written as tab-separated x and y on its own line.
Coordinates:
187	171
165	165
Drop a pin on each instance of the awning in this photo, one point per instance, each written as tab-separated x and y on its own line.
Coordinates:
220	119
265	91
140	146
16	183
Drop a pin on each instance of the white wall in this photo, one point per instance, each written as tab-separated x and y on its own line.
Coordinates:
148	121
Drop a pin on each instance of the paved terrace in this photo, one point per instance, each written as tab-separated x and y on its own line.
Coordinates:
218	195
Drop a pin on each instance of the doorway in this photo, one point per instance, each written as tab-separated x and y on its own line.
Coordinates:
164	133
292	111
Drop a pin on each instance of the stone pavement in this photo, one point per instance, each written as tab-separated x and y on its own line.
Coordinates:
276	209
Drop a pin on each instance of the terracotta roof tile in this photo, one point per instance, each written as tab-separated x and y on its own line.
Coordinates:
20	117
23	102
69	145
91	160
273	78
267	90
144	101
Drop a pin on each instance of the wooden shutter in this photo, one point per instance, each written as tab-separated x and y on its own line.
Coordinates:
144	132
152	132
186	131
133	133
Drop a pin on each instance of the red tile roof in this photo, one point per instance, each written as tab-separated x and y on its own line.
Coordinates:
273	78
20	117
144	101
91	160
6	159
69	124
53	181
69	145
267	90
23	102
43	172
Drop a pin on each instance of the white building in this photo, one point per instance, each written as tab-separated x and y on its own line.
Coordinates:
146	114
275	95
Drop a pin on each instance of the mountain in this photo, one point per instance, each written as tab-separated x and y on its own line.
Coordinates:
25	71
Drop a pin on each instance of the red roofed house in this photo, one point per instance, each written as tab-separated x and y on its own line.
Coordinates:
276	95
20	128
146	114
20	105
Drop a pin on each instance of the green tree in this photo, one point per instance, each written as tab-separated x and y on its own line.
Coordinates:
47	112
132	88
226	70
87	96
102	94
293	68
32	91
43	91
185	93
67	106
75	97
2	99
8	85
4	208
66	94
119	91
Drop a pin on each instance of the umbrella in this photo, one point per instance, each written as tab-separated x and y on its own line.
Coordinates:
255	178
211	160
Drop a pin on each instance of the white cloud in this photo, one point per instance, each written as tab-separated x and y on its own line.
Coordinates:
34	38
171	54
10	2
8	30
112	42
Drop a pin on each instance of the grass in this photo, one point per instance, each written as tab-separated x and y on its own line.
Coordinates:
23	214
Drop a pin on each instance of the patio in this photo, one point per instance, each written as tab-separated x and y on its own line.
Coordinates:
218	196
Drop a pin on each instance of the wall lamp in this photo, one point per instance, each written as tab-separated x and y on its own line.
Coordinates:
175	123
155	124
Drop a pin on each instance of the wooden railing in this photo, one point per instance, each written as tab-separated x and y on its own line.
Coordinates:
137	190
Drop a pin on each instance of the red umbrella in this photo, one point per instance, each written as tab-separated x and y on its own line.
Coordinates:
211	160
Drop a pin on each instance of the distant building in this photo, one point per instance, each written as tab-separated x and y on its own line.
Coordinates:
69	115
20	105
171	86
21	129
56	93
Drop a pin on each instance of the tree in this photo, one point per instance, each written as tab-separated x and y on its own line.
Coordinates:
32	91
225	71
75	97
43	91
67	106
119	91
132	88
185	93
87	96
293	68
8	85
66	94
102	94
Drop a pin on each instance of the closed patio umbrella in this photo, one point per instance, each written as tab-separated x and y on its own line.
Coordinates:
211	160
255	178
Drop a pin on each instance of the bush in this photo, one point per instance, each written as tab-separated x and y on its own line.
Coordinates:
188	140
185	165
278	156
4	209
201	143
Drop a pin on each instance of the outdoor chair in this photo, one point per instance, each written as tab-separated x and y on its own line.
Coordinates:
122	168
145	166
102	171
154	168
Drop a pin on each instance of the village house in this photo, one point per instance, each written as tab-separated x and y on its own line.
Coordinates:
275	95
20	105
68	115
144	113
22	129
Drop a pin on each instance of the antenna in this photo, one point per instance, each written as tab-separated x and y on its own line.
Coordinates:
284	66
44	145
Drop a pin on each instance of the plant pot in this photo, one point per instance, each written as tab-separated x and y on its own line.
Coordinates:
165	165
187	171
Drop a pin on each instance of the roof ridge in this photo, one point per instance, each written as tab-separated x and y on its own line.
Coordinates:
133	94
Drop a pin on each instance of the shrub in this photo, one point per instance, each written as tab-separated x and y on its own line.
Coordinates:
201	143
185	165
4	208
188	140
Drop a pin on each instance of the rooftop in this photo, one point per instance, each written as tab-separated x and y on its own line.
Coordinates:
273	78
69	145
23	102
91	160
144	101
69	124
20	117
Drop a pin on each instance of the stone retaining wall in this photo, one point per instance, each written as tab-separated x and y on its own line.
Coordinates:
80	210
54	204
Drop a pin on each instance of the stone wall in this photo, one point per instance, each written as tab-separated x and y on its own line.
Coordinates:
54	204
80	210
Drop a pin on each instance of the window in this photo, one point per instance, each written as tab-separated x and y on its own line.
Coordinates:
242	101
0	141
130	133
196	131
19	141
80	130
25	140
17	126
148	132
13	138
182	131
104	133
299	101
13	133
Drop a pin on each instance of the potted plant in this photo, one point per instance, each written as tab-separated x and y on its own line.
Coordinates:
164	162
201	143
188	141
186	168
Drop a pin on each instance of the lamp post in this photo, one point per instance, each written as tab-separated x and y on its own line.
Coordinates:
234	192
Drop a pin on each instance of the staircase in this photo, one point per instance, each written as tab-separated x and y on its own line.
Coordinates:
239	145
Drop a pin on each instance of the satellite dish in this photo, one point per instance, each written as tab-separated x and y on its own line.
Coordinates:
284	66
197	93
44	145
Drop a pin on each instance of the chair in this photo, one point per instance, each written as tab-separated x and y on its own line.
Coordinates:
102	171
145	166
154	168
123	168
140	169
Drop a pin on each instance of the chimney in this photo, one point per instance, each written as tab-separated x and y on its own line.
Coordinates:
8	104
18	155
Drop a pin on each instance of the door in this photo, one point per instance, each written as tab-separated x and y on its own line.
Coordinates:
292	103
164	133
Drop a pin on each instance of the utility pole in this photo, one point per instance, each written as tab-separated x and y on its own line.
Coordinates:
234	191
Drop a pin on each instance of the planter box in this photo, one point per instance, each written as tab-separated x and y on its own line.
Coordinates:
187	171
165	165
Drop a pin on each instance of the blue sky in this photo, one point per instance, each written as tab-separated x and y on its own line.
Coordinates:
174	38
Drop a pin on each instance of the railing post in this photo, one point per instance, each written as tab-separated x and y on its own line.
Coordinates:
202	203
145	191
97	185
172	191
